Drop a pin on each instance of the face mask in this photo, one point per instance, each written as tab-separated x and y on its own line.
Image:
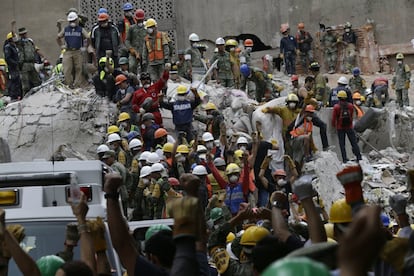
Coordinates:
347	30
143	126
145	181
2	68
112	146
358	102
146	86
122	91
123	125
248	49
181	98
181	159
281	182
150	30
73	24
233	179
194	45
15	39
209	145
292	105
309	118
243	148
399	62
104	25
232	49
140	24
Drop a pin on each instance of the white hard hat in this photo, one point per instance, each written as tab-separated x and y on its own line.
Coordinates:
200	170
218	162
72	16
153	158
194	37
135	143
144	155
102	148
201	149
207	136
157	167
220	41
242	140
343	80
113	137
145	171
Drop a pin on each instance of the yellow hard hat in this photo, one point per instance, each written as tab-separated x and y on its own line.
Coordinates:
183	149
230	237
238	154
182	89
253	234
231	42
342	94
232	168
150	23
210	106
292	98
329	229
362	98
168	147
340	212
123	117
9	35
3	62
112	129
399	56
103	60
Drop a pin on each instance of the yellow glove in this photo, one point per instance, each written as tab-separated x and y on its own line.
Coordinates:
265	110
407	84
97	228
17	231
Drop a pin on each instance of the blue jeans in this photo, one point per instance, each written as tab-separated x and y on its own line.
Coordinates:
263	198
352	139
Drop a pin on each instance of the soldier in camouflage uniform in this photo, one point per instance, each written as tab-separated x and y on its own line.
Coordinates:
193	58
134	42
262	83
156	192
357	83
319	84
349	38
183	69
114	142
329	43
401	81
245	56
223	70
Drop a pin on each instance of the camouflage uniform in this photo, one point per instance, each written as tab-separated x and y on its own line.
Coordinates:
320	88
245	57
224	68
135	40
357	83
328	42
401	84
155	197
195	63
27	55
261	81
183	69
350	39
123	191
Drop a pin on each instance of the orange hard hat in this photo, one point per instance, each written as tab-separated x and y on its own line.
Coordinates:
294	78
248	43
119	79
310	108
356	96
279	172
161	132
301	26
103	17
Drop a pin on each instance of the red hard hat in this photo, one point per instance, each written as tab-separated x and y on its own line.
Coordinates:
294	78
120	78
279	172
161	132
310	108
139	14
103	17
173	181
248	43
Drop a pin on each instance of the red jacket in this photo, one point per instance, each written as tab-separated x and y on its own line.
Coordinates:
336	122
141	94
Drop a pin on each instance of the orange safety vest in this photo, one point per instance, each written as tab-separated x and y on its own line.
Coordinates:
359	111
304	129
127	25
158	52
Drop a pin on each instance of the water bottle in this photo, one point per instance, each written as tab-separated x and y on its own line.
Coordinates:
75	192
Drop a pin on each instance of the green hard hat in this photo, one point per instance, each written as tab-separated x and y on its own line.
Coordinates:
216	214
296	266
155	229
123	60
48	265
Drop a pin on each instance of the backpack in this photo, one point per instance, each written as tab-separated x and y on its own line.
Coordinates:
344	115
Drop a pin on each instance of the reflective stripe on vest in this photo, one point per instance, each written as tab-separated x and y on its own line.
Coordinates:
158	52
73	37
304	129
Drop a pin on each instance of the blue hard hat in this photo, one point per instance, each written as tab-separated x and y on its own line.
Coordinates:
385	220
128	7
245	70
102	10
356	71
133	134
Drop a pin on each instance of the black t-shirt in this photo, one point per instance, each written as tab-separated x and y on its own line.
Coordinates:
106	39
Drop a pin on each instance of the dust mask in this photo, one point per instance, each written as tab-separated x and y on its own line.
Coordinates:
181	98
150	30
73	24
243	148
2	68
248	49
140	24
281	182
123	125
292	105
233	179
309	118
358	102
15	39
209	145
399	62
145	181
146	86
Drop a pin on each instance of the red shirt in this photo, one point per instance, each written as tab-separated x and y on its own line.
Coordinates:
336	122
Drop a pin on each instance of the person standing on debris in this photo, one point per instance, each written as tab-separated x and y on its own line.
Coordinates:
11	55
231	48
304	41
104	80
123	96
305	93
134	42
259	78
105	38
359	112
124	70
183	69
125	24
156	54
27	57
212	120
342	117
223	70
245	56
288	48
72	57
401	81
320	83
349	38
356	82
329	43
342	86
380	90
193	58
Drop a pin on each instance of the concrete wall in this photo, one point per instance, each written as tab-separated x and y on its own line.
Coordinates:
213	18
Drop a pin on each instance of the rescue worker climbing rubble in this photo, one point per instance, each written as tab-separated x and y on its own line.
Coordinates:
401	81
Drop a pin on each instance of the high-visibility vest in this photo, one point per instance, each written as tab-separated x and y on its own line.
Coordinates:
127	25
158	52
359	111
303	129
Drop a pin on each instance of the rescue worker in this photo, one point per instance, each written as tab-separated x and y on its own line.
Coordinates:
146	99
356	82
148	128
123	96
359	112
349	38
11	55
72	61
263	85
104	80
155	192
182	110
304	41
114	143
320	83
143	182
401	81
342	121
3	78
231	47
115	129
380	90
342	86
223	70
125	124
245	56
213	119
306	93
220	164
194	60
134	42
329	42
156	53
27	58
183	68
288	47
105	38
124	70
125	24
